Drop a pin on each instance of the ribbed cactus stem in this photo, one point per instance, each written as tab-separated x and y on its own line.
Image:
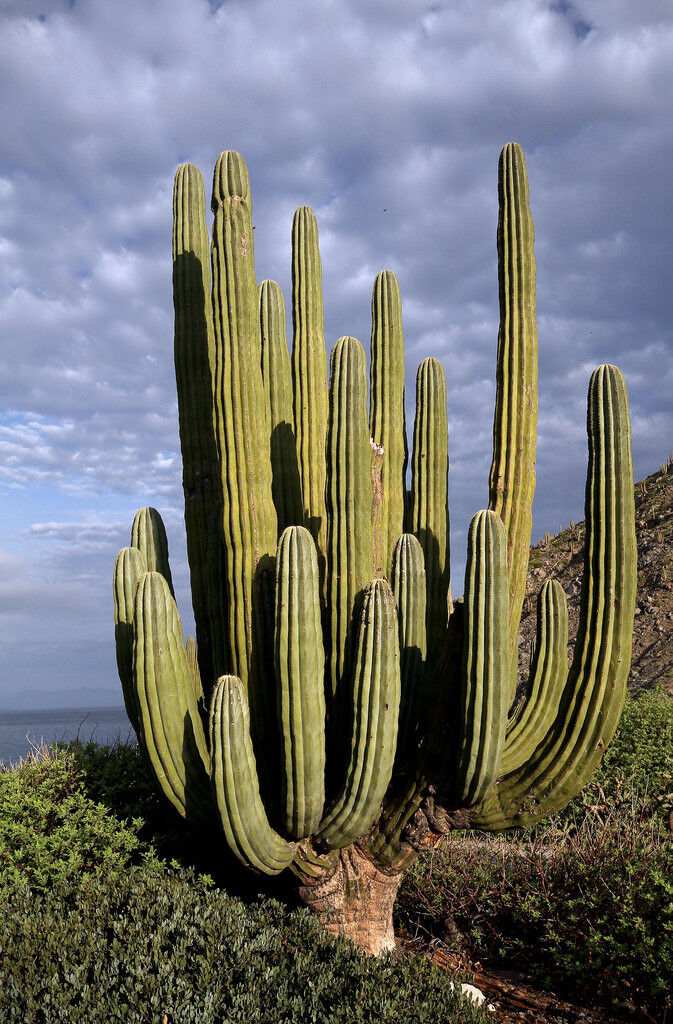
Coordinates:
171	727
300	676
376	700
309	373
277	376
512	477
387	424
428	513
248	513
483	704
194	351
549	671
148	534
349	501
246	827
594	694
409	588
192	652
130	566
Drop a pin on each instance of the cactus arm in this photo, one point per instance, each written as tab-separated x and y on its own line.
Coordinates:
387	425
483	703
249	524
429	516
130	565
409	588
194	352
548	676
309	374
277	376
376	699
170	723
512	476
235	784
596	687
148	534
300	672
348	493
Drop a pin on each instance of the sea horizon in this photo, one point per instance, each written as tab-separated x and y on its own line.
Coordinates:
27	729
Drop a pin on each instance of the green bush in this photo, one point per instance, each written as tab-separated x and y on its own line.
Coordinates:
639	761
584	902
51	830
126	949
587	911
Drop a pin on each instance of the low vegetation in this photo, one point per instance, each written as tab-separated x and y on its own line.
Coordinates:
113	910
584	903
96	927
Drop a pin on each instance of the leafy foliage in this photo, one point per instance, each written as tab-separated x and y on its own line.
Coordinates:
583	903
50	830
128	948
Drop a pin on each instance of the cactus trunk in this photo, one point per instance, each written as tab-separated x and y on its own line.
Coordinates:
355	900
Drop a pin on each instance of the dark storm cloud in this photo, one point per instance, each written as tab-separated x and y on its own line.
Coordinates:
388	119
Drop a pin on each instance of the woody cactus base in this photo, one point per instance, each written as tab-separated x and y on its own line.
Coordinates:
337	712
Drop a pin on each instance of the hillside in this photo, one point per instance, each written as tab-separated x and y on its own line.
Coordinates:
561	557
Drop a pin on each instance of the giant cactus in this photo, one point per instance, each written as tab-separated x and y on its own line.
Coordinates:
338	712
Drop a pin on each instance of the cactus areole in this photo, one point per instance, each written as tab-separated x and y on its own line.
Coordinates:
337	714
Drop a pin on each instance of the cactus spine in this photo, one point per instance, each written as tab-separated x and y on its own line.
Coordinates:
401	733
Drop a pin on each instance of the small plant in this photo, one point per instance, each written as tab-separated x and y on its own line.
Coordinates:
50	830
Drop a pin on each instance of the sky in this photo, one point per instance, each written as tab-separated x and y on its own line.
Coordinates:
387	118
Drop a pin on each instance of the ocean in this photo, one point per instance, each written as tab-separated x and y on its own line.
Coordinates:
21	731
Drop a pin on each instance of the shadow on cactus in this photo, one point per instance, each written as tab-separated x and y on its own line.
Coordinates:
337	713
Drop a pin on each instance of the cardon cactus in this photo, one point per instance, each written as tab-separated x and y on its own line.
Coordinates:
338	712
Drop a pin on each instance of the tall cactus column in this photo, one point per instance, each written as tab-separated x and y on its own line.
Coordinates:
387	424
512	478
249	524
194	353
309	374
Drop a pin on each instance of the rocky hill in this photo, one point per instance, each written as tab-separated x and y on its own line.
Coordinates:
561	557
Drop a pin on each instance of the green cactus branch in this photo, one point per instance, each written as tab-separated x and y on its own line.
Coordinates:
512	477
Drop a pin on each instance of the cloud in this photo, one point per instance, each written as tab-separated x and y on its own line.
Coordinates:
387	119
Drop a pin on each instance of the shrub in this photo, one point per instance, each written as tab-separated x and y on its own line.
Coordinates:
51	830
588	911
128	948
639	761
